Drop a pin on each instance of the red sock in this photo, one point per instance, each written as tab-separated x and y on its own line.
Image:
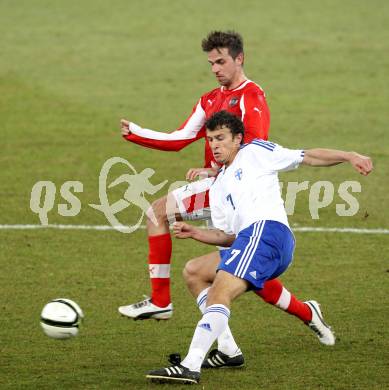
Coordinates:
160	251
299	309
275	293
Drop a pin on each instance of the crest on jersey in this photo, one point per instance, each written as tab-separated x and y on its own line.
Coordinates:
233	101
238	173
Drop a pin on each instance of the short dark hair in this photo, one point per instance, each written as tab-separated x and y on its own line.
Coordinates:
220	39
225	119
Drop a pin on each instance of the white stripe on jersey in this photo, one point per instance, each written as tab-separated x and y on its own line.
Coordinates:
242	107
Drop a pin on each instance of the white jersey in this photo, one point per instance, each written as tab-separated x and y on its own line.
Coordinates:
248	190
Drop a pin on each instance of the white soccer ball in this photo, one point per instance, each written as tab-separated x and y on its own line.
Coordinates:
60	318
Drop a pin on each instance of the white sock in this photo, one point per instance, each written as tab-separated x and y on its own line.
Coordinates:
209	328
202	300
225	342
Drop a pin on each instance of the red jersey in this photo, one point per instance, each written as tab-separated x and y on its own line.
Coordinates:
247	101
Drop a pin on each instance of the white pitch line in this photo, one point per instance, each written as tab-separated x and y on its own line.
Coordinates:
61	227
340	230
302	229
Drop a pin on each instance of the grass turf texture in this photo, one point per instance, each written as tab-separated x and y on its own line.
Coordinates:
70	71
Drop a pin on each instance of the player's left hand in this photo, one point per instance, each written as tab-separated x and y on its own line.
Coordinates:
362	164
202	173
183	230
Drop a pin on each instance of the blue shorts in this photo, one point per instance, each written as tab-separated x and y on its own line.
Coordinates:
260	252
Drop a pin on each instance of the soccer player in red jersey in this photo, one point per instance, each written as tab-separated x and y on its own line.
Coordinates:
243	98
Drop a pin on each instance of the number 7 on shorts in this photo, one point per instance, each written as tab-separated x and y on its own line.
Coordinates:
234	252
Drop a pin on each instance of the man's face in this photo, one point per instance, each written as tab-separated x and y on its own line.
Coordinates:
223	145
225	68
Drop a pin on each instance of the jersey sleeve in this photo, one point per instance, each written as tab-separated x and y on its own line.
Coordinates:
255	115
191	130
276	158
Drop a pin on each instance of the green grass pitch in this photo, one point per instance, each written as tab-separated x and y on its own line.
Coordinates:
70	70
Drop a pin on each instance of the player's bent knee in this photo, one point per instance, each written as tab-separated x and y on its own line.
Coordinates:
157	210
190	271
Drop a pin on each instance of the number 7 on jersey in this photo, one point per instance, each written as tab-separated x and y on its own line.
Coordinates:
229	197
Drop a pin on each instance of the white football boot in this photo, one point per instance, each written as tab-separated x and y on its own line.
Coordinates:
145	310
323	331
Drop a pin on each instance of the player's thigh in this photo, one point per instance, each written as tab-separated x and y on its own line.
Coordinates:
203	267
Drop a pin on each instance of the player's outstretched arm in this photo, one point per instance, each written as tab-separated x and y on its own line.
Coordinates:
329	157
190	131
206	236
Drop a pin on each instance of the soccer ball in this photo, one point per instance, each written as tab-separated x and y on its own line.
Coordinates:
60	318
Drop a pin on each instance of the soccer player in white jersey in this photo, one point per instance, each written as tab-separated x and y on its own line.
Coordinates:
249	216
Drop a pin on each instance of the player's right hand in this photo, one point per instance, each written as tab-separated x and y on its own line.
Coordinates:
125	127
201	173
182	230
